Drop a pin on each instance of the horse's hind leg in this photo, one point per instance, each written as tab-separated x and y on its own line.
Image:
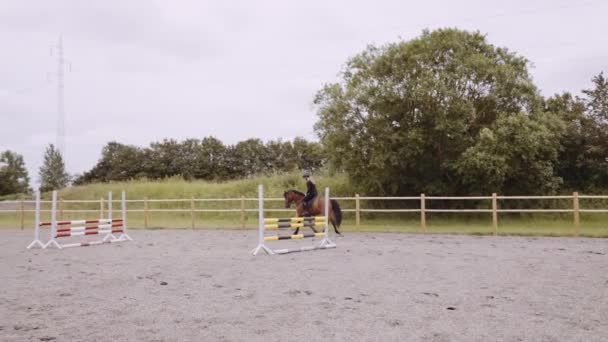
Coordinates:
336	228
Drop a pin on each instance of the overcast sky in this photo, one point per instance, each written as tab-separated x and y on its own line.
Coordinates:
147	70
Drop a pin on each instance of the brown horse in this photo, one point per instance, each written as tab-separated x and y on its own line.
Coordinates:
317	208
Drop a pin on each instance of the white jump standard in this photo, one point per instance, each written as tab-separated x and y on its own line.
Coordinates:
294	222
65	229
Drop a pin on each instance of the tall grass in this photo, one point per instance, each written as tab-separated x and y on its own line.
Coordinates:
178	188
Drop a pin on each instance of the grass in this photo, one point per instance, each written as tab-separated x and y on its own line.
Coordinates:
274	186
595	225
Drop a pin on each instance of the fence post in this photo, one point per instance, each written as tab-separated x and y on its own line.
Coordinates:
576	211
146	212
192	212
101	207
60	209
22	214
357	211
422	213
495	213
242	211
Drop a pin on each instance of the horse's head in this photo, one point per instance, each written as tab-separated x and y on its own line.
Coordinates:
292	196
288	198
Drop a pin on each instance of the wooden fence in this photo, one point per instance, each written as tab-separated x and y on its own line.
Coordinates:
21	207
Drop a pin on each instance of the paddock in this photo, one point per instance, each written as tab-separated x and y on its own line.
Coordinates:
204	285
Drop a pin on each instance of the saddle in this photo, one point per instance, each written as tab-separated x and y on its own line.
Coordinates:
309	203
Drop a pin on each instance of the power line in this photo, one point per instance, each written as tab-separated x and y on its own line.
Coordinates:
60	73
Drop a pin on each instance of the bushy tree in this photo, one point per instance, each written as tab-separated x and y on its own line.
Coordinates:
14	178
282	156
571	159
308	155
118	162
596	159
248	158
582	161
162	159
515	155
412	117
213	160
597	99
52	172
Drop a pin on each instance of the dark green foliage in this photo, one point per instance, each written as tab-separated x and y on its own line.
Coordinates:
446	113
13	174
52	172
583	158
207	159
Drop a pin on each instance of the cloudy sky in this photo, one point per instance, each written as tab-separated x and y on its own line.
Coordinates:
142	70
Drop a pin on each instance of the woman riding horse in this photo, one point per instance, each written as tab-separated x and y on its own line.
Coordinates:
310	204
311	193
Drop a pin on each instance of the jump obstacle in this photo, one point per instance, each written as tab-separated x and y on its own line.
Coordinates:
291	222
66	229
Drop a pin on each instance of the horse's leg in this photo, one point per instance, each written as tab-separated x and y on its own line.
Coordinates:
299	212
335	228
312	226
313	211
332	219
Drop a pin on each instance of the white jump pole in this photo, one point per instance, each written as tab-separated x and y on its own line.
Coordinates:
124	235
52	240
261	228
107	237
123	205
37	241
326	242
110	205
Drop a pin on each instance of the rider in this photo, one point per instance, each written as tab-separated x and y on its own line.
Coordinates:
311	192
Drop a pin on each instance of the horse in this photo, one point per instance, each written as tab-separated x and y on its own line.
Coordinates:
317	208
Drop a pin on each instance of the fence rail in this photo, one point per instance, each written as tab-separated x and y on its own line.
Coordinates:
493	207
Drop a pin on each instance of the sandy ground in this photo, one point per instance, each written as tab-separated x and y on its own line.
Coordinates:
184	285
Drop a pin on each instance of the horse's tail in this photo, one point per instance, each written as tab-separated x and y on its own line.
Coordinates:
337	212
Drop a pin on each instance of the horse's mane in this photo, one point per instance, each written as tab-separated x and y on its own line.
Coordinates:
296	191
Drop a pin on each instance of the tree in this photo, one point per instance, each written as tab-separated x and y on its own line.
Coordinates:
162	160
571	159
405	114
118	162
597	99
308	155
207	159
281	156
212	160
248	158
14	178
596	103
515	155
52	172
